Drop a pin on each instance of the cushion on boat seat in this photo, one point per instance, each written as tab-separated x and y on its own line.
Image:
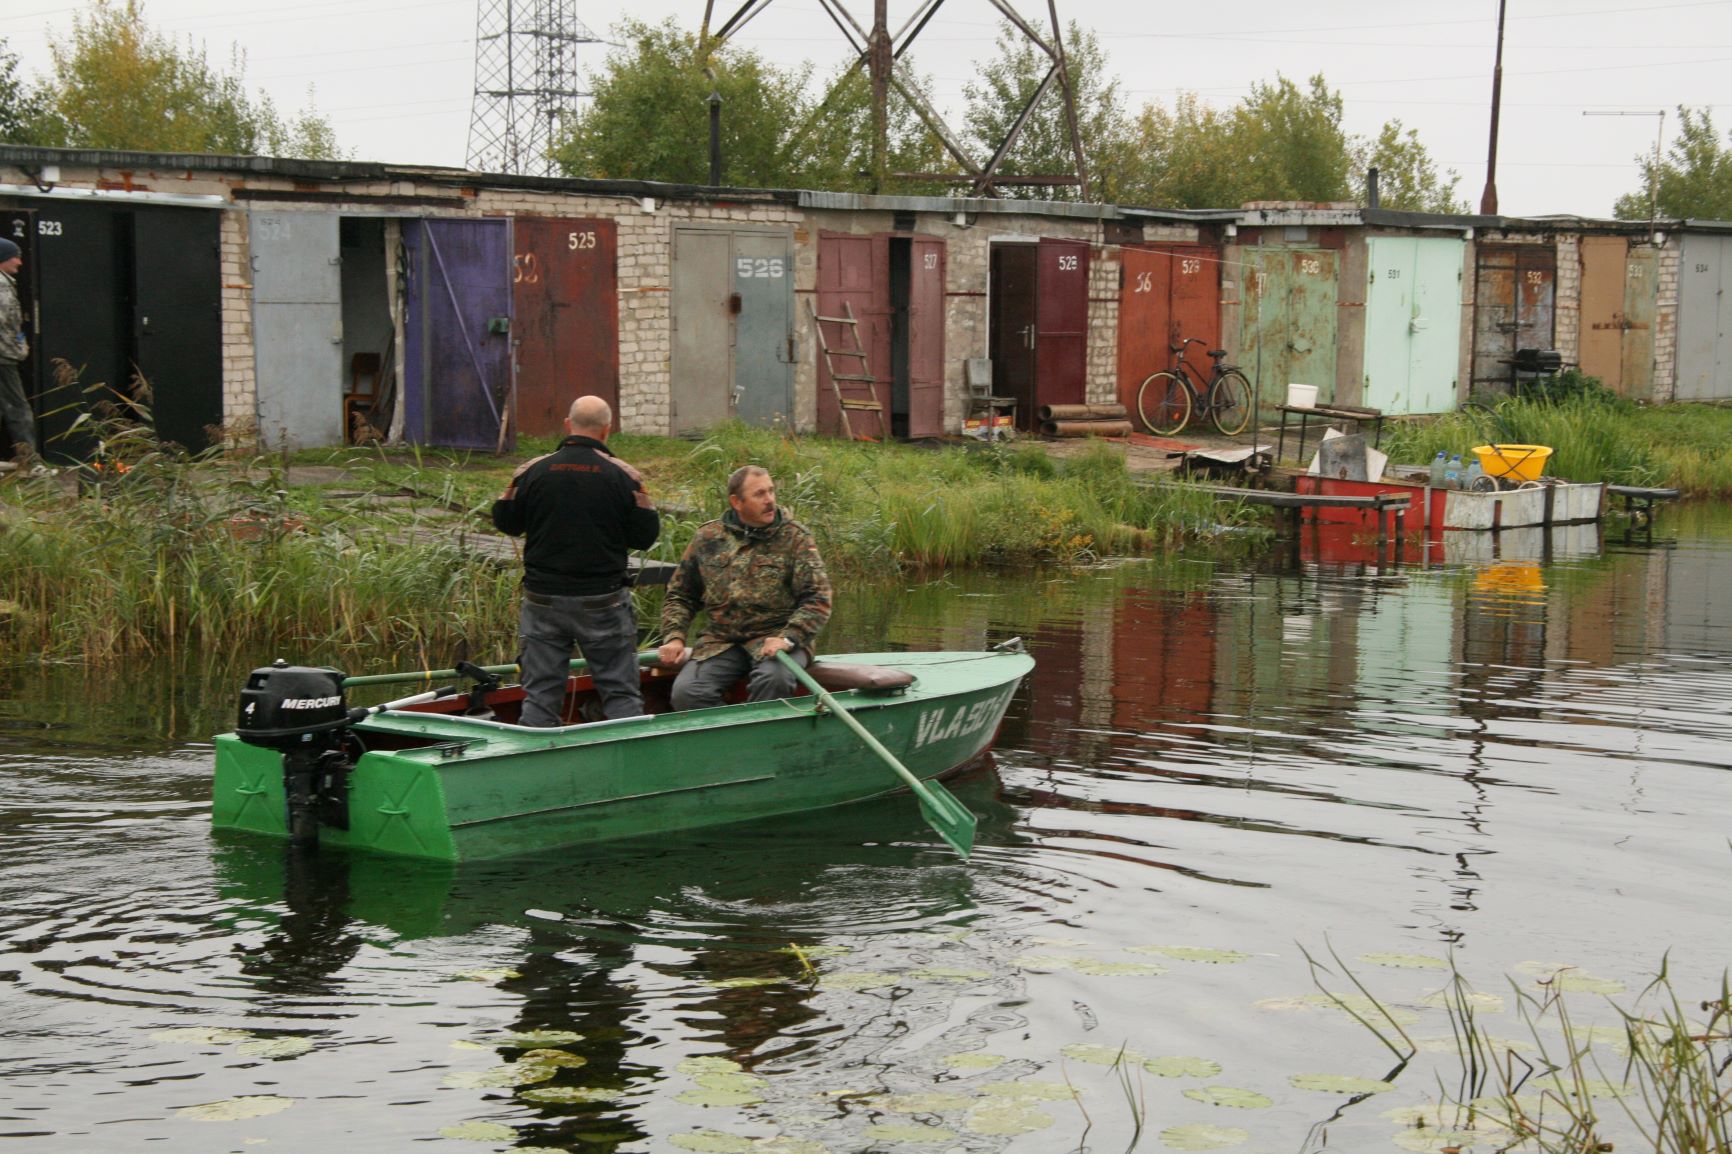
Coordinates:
837	676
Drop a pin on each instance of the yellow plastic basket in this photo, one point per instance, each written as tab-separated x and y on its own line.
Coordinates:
1513	462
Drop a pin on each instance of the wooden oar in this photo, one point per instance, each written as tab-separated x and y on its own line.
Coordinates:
953	821
648	657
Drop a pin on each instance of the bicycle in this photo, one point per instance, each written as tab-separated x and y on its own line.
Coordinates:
1165	400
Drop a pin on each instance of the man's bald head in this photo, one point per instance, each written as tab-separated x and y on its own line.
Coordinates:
589	417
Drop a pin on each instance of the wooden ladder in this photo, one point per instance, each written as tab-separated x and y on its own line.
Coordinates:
844	403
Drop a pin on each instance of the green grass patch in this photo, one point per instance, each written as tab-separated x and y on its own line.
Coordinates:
181	556
1595	437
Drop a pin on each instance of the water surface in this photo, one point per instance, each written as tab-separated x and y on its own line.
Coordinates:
1512	756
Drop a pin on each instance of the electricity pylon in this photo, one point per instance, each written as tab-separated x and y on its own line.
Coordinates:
525	82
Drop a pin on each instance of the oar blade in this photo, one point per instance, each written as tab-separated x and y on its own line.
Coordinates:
954	821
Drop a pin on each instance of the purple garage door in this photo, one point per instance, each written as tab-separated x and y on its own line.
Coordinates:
457	388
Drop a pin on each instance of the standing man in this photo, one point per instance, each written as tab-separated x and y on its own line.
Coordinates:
17	426
580	510
759	578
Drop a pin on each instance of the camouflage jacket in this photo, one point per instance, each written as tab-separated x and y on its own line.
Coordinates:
752	582
13	347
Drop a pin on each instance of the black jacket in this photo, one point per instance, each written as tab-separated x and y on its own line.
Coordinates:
580	511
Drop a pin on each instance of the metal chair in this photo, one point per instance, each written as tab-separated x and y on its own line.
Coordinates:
977	374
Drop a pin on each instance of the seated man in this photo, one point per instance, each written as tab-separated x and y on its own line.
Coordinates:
758	577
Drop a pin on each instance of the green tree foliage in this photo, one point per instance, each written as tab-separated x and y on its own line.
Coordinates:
649	119
1695	179
1282	142
119	84
1044	146
1407	177
24	107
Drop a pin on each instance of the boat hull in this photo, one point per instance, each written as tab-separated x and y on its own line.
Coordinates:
454	788
1433	510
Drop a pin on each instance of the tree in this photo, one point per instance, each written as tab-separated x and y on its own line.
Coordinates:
24	107
1695	179
1407	177
118	84
649	119
649	116
1044	145
1280	143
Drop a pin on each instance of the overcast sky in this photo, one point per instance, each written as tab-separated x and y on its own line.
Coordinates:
396	77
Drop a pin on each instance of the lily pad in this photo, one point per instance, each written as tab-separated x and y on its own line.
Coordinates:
1100	969
712	1142
236	1109
480	1132
705	1096
1577	982
747	983
908	1132
466	1044
288	1047
484	975
1192	954
973	1061
928	1103
1406	961
1233	1096
731	1081
1485	1003
202	1036
1356	1003
1339	1084
530	1039
1201	1136
855	980
1005	1116
1044	961
569	1094
1182	1067
1030	1091
708	1064
1100	1055
1429	1141
496	1077
949	974
1060	943
553	1058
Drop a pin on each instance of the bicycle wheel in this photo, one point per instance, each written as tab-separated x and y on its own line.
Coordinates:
1164	404
1230	402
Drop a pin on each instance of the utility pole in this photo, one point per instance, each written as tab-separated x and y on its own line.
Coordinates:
1488	198
525	82
879	62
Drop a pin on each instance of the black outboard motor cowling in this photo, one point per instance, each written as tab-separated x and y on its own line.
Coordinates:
300	711
285	705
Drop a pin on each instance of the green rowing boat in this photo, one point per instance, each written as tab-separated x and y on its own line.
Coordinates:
451	777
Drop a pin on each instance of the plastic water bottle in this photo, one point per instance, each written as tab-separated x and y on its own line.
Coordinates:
1474	479
1452	472
1438	464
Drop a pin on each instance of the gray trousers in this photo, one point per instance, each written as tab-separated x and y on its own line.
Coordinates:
702	683
604	628
19	424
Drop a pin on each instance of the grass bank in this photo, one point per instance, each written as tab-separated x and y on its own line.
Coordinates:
1595	436
181	556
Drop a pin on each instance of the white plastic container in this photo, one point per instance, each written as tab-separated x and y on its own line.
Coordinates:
1301	396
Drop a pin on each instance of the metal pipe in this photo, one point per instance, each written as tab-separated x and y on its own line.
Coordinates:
715	138
1488	198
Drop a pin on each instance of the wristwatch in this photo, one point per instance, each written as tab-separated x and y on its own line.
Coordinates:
792	644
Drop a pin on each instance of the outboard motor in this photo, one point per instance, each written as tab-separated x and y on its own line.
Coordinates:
300	711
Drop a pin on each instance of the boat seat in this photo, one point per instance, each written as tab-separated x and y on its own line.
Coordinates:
838	676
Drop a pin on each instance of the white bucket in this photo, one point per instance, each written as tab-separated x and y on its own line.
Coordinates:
1301	396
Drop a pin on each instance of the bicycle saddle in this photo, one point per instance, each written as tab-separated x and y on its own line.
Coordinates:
1217	353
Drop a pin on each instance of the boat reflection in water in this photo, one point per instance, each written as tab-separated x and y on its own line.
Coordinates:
596	947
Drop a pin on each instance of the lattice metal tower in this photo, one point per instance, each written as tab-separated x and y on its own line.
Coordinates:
525	82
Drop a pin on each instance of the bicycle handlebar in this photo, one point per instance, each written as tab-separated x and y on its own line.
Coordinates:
1188	341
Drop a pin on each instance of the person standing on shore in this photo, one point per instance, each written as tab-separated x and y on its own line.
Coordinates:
758	577
581	510
17	425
